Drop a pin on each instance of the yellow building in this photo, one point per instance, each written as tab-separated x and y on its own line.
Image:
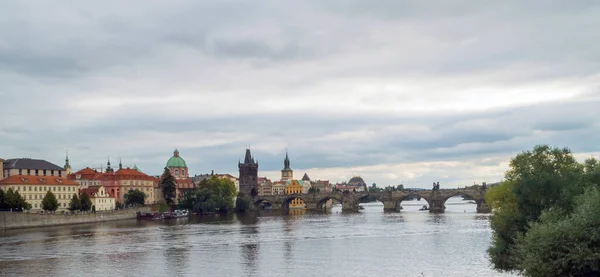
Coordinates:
294	187
33	189
100	198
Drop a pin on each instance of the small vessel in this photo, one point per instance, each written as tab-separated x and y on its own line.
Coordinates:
361	207
424	208
180	213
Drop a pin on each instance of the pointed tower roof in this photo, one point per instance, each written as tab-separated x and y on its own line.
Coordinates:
286	162
120	164
67	165
248	158
305	177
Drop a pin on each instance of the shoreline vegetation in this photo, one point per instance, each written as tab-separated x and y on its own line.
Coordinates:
545	218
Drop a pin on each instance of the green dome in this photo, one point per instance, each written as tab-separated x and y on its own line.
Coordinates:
176	161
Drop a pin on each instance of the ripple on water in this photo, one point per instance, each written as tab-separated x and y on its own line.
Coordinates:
369	243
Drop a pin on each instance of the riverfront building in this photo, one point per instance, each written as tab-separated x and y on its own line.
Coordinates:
34	188
115	183
31	167
248	179
176	164
101	200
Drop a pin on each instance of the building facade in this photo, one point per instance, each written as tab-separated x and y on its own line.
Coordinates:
34	188
294	187
31	167
248	180
178	168
100	198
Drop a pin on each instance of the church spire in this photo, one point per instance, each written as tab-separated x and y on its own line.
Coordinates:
67	160
67	165
120	164
108	168
286	162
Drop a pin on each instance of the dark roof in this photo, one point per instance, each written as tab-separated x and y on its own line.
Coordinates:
305	177
24	163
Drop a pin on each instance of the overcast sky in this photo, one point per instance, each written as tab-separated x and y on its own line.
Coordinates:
394	91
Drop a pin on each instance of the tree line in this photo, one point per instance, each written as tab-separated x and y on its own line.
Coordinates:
545	218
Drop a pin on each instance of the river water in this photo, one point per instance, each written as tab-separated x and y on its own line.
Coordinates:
368	243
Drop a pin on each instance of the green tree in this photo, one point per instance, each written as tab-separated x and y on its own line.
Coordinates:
86	203
242	202
564	246
118	205
215	195
314	190
169	186
75	203
544	181
49	203
135	198
3	204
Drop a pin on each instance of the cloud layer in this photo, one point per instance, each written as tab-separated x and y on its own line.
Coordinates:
394	91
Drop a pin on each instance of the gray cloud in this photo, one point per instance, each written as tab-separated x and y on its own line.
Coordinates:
342	84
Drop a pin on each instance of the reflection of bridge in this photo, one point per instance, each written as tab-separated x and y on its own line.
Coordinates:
391	200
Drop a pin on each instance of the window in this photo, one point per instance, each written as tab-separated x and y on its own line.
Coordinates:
28	172
44	172
53	188
20	171
29	197
29	188
59	173
52	172
36	172
35	205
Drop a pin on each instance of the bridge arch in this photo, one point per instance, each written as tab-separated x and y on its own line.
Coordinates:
324	200
477	198
262	203
411	195
285	203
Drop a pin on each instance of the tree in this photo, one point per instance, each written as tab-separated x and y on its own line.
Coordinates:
49	203
3	204
400	187
169	186
564	246
13	200
537	208
135	198
242	202
215	195
118	205
75	203
314	190
86	203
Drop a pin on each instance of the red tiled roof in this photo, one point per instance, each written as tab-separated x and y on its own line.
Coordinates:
36	180
90	191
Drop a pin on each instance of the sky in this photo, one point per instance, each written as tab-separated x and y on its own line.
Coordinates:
410	92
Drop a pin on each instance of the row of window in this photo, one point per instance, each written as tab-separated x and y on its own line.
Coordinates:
40	188
41	196
64	205
37	172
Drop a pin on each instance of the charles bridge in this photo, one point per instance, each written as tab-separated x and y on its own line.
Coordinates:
391	200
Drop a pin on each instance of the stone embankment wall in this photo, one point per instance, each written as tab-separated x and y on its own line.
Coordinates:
16	220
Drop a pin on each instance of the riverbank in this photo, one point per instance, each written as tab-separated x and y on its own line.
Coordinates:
10	221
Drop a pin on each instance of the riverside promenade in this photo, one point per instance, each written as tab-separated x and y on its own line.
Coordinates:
19	220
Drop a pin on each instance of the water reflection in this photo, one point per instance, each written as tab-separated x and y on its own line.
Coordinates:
296	243
249	246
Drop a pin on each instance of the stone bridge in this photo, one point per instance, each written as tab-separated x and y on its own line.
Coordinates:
391	200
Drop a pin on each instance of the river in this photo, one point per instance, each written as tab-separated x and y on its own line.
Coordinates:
368	243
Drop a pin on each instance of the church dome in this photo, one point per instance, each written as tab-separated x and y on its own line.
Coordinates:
176	161
357	180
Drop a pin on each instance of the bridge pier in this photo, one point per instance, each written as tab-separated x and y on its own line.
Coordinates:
391	206
482	207
436	206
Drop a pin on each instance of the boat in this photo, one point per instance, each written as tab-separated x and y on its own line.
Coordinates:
424	208
361	207
180	213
